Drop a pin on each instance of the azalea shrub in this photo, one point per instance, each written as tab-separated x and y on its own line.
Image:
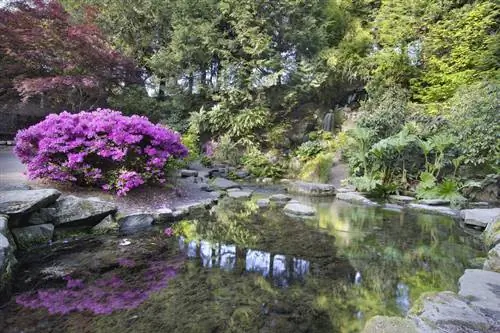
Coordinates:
100	148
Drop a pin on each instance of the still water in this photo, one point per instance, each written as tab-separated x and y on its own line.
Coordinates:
242	270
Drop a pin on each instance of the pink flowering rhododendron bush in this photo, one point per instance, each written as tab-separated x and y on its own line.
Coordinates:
99	148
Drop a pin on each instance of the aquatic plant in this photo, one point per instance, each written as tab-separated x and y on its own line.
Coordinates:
100	148
102	296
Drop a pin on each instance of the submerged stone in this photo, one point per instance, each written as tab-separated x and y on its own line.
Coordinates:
26	201
73	211
27	237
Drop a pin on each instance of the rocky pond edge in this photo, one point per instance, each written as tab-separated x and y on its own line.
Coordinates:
30	217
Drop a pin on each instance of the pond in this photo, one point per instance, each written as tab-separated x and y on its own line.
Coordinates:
242	270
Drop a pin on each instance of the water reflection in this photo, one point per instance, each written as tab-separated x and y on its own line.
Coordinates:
280	268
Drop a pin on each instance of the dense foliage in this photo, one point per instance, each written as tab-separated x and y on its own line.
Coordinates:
99	148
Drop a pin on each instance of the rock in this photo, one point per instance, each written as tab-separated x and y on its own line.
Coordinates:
163	215
480	217
434	202
106	225
385	324
233	189
239	194
241	174
355	197
492	263
9	143
346	189
27	237
491	235
26	201
193	209
446	312
313	189
392	207
402	199
280	198
73	211
135	222
263	203
188	173
482	289
44	215
298	209
206	188
2	143
267	180
224	184
7	263
441	210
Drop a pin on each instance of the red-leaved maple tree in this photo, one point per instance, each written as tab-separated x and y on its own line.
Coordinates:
44	51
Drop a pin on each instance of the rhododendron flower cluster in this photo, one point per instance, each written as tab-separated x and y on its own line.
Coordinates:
99	148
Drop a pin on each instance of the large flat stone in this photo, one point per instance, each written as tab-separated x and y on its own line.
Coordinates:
440	210
73	211
224	184
239	194
482	289
27	237
26	201
298	209
355	197
480	217
447	312
312	189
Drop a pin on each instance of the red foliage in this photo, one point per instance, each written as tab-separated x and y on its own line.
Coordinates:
44	51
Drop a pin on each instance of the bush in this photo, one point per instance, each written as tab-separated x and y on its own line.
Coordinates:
260	165
99	148
318	169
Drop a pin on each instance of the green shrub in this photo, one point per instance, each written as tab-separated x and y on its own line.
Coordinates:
318	168
228	151
260	166
308	150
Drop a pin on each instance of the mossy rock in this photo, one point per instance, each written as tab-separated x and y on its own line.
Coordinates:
385	324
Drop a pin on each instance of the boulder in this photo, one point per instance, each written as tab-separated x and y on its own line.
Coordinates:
188	173
163	215
491	235
42	216
401	199
385	324
72	211
263	203
106	225
313	189
492	263
4	230
239	194
480	217
440	210
434	202
447	312
355	197
298	209
20	202
135	222
482	289
27	237
224	184
7	263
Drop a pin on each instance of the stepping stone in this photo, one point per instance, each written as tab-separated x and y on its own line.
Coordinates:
480	217
313	189
355	197
280	198
224	184
298	209
263	203
440	210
